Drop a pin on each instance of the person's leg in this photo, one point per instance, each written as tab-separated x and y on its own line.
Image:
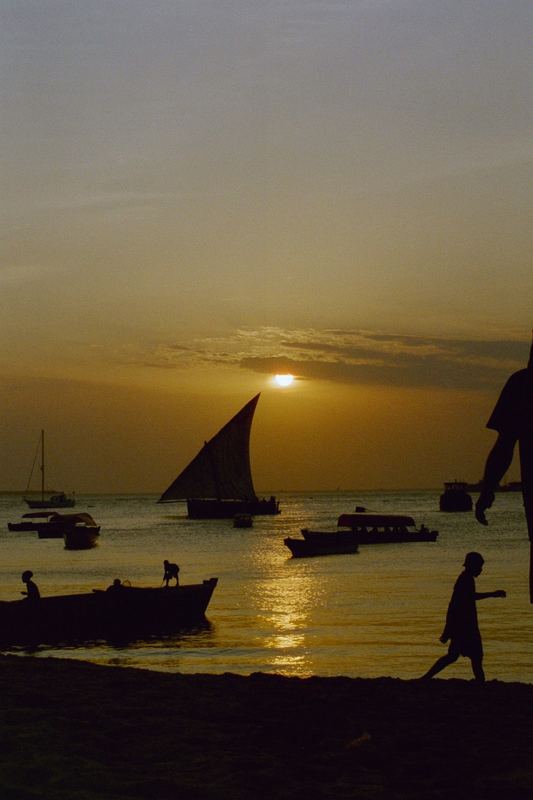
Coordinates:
477	669
440	664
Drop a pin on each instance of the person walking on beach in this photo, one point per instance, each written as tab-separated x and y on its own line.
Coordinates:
171	571
461	628
32	590
512	419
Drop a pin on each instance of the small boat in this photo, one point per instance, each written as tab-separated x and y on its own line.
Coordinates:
80	527
81	537
325	544
243	521
55	500
360	528
124	613
217	483
455	497
29	522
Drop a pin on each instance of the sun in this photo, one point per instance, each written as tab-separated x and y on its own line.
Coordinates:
283	380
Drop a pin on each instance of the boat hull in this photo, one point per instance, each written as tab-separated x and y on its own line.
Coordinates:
56	501
22	526
455	501
368	537
122	614
211	508
333	545
81	538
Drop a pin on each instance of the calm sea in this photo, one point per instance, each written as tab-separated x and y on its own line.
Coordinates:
376	613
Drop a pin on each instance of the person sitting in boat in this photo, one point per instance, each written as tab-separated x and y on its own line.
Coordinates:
116	586
171	571
32	590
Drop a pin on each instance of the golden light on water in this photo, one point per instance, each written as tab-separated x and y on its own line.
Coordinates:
283	380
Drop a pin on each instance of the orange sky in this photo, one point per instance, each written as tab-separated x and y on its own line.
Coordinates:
199	195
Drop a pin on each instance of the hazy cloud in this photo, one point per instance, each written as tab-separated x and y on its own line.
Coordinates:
353	356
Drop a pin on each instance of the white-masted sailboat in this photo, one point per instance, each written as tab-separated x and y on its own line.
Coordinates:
55	500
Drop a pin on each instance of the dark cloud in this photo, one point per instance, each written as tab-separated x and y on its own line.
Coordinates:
355	356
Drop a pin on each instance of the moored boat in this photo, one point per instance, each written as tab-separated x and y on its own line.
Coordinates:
56	499
217	483
326	544
126	612
81	537
57	526
384	529
30	522
455	497
357	529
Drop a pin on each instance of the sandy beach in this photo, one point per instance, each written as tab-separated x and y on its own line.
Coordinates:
76	730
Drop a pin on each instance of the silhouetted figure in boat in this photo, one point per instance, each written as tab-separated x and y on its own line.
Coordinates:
32	590
116	586
512	419
461	628
171	571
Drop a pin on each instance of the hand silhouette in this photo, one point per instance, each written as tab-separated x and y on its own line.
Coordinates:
500	593
484	501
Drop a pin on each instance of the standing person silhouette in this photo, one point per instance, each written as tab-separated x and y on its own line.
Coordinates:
461	629
512	419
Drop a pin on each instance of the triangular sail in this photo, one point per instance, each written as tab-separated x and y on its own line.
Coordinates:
221	469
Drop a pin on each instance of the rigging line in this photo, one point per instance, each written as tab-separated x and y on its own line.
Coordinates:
33	465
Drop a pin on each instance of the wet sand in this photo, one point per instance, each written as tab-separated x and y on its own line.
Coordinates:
80	731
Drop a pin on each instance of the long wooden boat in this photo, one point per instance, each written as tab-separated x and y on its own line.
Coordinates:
217	483
118	614
327	544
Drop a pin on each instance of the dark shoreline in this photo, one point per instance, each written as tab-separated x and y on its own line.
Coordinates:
80	731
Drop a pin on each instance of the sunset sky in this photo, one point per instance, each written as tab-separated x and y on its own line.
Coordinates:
198	194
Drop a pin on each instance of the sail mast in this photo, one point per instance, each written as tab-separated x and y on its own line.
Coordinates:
42	465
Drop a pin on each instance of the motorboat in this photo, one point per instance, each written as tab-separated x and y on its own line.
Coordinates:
455	497
357	529
70	527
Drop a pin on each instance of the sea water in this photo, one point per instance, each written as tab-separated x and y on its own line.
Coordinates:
378	612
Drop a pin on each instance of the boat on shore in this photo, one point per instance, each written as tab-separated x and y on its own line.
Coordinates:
54	500
217	483
360	529
122	613
455	497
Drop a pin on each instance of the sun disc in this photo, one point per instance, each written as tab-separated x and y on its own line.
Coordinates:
284	380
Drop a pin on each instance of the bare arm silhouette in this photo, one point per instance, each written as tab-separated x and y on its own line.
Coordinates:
498	462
